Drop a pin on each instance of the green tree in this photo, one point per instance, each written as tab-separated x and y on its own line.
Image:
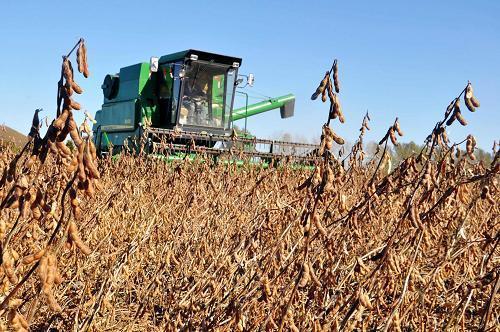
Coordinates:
483	156
404	150
70	145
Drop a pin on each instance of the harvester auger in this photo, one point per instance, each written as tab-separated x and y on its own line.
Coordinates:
181	104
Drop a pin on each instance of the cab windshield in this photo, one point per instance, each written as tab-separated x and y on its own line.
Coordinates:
207	95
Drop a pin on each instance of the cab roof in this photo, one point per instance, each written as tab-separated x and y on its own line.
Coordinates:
204	56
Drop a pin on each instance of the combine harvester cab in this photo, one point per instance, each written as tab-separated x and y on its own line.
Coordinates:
181	101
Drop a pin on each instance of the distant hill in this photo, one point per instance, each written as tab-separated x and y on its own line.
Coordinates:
9	136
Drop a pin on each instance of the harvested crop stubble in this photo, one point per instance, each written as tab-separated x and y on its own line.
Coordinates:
197	245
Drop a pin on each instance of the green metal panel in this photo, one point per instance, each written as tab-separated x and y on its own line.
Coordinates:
261	107
121	116
125	112
132	81
145	83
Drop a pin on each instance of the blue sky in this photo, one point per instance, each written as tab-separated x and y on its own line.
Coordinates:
397	58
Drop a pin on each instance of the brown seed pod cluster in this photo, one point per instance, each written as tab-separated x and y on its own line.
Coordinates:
441	136
17	321
364	125
35	190
328	136
357	154
454	108
34	257
320	90
49	277
457	114
470	100
335	106
336	82
486	194
75	240
391	133
81	58
324	177
326	90
7	266
84	162
470	146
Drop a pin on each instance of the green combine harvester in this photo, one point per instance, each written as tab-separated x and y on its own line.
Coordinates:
182	103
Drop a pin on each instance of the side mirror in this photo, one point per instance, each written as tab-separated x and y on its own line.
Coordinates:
251	79
153	64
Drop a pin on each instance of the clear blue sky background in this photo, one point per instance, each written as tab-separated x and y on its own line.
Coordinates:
397	58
